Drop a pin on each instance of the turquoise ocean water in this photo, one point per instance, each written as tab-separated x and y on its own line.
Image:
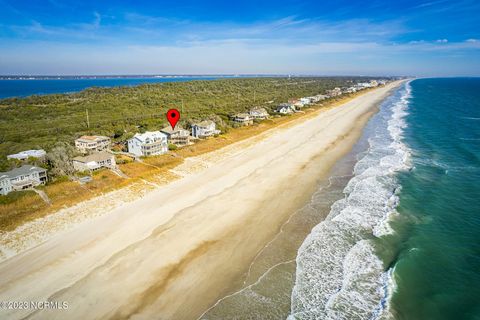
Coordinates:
437	264
404	240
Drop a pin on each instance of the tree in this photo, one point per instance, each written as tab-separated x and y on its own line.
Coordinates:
59	159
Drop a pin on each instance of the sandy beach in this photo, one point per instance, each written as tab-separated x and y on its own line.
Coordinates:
174	252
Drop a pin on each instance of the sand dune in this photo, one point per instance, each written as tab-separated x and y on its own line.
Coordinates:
173	253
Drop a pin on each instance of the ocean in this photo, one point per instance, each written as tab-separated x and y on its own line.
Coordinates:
394	233
28	87
436	269
404	241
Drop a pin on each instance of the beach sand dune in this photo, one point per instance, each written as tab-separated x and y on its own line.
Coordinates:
175	252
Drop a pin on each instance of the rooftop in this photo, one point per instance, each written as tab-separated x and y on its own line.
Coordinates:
98	156
169	130
204	123
23	170
93	138
242	115
150	135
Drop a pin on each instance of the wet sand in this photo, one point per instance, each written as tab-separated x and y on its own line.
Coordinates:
175	252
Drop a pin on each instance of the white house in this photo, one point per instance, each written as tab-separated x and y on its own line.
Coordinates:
24	155
150	143
25	177
285	108
259	113
320	97
94	161
86	144
204	129
305	101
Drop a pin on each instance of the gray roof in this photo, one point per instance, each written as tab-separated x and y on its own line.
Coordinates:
242	115
288	105
204	123
97	156
168	129
258	109
23	170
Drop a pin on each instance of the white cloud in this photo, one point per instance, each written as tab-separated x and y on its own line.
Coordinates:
286	45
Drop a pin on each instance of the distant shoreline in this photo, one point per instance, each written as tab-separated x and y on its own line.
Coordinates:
155	76
23	86
83	77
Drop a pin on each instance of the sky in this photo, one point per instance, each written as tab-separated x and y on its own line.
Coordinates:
377	37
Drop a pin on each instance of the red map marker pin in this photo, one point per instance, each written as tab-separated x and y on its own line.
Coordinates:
173	116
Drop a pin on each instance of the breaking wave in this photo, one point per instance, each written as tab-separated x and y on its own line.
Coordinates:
339	275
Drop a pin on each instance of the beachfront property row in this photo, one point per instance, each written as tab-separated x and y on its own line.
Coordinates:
97	154
156	142
152	143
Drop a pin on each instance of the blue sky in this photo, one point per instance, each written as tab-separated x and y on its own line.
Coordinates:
424	38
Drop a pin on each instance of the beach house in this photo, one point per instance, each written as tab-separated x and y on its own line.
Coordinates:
304	101
334	92
243	118
94	161
24	155
285	108
177	136
150	143
86	144
204	129
259	113
319	97
25	177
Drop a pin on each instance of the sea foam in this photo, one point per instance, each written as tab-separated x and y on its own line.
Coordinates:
339	275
